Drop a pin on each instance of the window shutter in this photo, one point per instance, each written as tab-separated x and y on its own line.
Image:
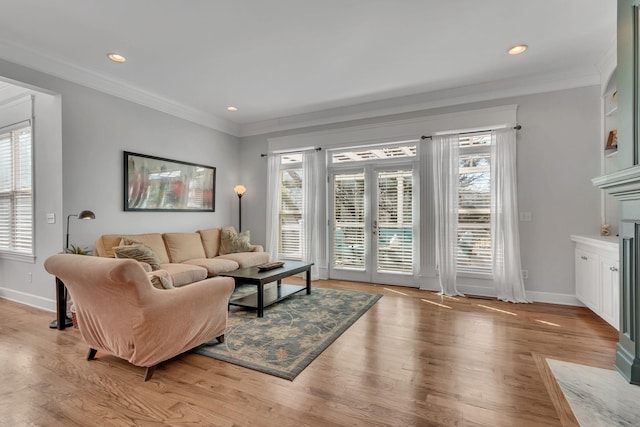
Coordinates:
348	217
474	212
395	221
16	191
291	200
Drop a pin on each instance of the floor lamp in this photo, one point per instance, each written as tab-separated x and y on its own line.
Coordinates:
240	190
68	322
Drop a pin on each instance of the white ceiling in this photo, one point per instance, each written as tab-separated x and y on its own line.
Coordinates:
295	61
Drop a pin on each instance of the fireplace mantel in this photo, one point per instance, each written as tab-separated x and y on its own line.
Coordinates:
623	184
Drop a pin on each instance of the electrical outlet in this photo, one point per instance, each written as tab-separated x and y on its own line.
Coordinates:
30	276
51	218
525	216
525	274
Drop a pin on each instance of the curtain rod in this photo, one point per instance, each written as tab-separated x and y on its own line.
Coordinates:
516	127
292	151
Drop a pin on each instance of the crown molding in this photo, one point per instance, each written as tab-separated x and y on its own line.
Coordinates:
40	61
526	85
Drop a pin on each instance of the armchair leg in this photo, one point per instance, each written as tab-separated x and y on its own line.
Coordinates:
149	372
92	354
220	338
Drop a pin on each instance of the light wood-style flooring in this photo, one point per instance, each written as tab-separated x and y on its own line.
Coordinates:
414	359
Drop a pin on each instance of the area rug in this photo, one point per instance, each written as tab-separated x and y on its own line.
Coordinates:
292	333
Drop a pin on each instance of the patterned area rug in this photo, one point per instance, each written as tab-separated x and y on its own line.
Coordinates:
292	332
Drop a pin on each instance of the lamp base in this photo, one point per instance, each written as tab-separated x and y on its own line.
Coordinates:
68	322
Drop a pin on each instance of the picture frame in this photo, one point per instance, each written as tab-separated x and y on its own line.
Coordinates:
612	140
164	185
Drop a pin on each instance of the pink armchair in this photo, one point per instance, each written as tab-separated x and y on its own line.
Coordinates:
120	312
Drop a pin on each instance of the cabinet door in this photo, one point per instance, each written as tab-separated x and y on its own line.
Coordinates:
587	279
610	302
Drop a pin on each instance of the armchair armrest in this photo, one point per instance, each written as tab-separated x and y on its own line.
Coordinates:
179	319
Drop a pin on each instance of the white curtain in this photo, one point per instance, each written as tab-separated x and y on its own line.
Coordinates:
445	150
313	200
507	271
273	210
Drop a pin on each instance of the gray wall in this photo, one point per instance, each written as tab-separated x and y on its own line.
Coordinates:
559	150
79	166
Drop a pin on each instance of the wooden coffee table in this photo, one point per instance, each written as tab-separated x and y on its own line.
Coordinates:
263	298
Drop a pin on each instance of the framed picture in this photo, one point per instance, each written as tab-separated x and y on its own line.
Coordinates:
612	140
157	184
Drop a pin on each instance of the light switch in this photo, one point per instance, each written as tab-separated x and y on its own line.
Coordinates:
51	218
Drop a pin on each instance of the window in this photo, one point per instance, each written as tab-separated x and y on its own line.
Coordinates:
16	191
363	154
474	209
290	235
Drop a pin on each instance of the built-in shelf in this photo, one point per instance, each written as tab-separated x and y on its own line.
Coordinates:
612	111
611	154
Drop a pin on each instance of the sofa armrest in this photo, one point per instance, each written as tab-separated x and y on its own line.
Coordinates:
257	248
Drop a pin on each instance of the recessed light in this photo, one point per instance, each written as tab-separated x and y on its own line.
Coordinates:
116	57
517	49
232	108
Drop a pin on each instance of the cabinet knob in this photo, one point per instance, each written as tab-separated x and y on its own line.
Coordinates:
613	268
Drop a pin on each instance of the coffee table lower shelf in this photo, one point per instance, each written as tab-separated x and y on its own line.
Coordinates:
271	295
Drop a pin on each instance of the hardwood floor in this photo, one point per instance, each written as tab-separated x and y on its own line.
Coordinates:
414	359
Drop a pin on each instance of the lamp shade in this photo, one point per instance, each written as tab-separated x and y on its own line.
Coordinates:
86	215
240	190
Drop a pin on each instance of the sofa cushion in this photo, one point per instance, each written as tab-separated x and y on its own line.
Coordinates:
232	242
210	241
138	251
215	266
247	259
183	274
183	246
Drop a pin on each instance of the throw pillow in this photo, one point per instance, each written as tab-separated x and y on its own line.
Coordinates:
231	242
160	279
140	252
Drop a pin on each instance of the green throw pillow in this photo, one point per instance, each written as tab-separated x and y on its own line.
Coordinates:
231	242
160	281
140	252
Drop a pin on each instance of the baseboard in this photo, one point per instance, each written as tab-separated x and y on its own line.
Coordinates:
553	298
28	299
534	296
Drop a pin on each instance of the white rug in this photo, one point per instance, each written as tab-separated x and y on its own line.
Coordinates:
598	397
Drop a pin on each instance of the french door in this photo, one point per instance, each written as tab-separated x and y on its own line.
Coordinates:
372	235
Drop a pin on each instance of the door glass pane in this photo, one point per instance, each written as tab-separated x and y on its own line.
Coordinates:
395	221
348	218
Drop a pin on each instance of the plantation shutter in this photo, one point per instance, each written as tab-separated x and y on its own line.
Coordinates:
395	221
291	200
474	212
16	190
348	216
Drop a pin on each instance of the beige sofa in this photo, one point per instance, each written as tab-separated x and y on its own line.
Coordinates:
187	257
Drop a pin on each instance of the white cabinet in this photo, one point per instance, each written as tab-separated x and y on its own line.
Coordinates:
597	275
587	267
610	280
